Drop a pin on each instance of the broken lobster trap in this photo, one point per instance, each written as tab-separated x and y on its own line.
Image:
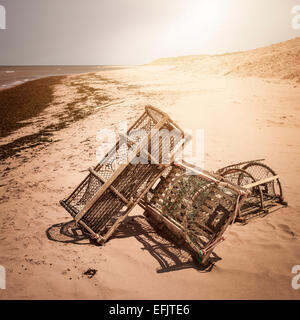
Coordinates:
111	190
194	207
263	184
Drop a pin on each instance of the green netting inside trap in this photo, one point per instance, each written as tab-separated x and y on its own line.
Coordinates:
200	207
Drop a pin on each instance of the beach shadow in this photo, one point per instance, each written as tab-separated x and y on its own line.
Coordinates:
68	232
171	257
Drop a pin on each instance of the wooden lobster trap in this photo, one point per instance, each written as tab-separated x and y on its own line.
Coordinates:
111	190
195	206
263	184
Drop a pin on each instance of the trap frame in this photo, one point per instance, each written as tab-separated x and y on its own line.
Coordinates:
263	183
194	206
112	189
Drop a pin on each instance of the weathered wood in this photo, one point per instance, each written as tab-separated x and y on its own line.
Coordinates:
116	174
156	110
112	188
238	165
166	115
160	217
192	227
210	177
107	153
96	236
259	182
146	153
100	192
121	219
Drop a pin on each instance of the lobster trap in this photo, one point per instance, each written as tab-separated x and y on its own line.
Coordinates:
112	189
263	184
194	206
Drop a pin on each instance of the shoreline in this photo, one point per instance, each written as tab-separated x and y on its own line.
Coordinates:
14	85
36	69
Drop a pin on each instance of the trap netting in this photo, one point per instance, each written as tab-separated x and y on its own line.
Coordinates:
195	206
263	184
112	189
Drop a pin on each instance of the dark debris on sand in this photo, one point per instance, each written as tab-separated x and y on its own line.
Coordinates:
90	273
23	102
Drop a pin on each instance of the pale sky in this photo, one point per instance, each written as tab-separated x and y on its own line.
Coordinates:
127	32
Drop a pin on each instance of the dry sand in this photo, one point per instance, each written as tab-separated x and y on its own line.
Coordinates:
243	118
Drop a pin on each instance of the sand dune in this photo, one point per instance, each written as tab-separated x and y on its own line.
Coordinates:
280	60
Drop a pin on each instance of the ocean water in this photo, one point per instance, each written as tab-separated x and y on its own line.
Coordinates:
11	76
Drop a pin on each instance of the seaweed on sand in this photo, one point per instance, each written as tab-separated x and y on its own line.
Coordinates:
24	102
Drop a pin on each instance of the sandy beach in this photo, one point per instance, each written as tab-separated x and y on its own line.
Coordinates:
247	112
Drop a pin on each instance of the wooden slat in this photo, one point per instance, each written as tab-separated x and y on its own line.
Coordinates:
116	174
121	219
155	110
147	154
116	146
118	142
100	192
165	114
112	188
259	182
117	223
239	164
210	177
160	217
96	236
204	227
